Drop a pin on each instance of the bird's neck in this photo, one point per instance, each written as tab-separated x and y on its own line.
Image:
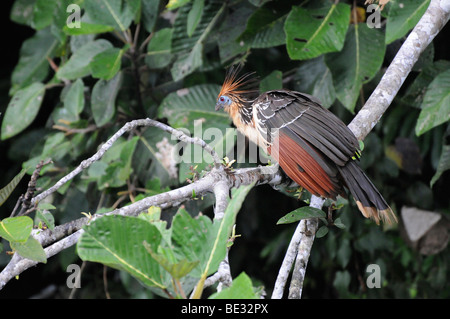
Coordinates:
245	112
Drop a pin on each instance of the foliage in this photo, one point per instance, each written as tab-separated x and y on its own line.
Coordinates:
72	88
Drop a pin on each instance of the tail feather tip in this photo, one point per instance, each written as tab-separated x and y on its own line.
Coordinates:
387	216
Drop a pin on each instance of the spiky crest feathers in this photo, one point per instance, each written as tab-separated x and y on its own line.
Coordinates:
235	86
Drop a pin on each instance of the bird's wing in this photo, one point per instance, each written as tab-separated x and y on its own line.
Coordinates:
306	139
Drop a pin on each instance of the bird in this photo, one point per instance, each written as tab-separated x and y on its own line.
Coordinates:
310	143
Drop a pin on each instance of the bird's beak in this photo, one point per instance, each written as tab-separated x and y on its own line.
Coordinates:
219	106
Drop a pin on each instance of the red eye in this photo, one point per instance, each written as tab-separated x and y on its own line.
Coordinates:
222	99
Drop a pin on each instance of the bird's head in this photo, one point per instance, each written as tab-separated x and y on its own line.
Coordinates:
223	101
235	89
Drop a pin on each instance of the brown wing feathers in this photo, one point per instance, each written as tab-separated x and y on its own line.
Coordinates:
312	145
316	150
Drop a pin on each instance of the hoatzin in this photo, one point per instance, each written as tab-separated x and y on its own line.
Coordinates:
311	144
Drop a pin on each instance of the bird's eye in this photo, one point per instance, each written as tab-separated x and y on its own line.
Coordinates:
222	99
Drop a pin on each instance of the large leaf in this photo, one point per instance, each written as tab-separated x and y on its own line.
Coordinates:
180	39
22	109
194	16
217	245
43	13
188	63
403	16
79	63
73	102
87	28
264	29
150	11
118	241
16	229
228	33
436	104
158	49
314	77
116	13
357	63
106	64
190	48
416	91
30	249
241	288
33	64
103	99
310	33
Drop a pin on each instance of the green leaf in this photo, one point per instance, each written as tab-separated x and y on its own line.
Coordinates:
16	229
22	109
158	49
33	65
272	82
416	91
444	164
106	64
310	33
194	16
435	105
314	77
217	245
241	288
357	63
115	168
188	63
117	241
301	213
191	48
403	16
74	101
30	249
46	218
88	28
264	29
229	32
8	189
116	13
178	269
322	231
150	13
22	12
43	13
78	65
103	99
174	4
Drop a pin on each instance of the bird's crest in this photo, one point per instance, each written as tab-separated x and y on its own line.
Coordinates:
235	85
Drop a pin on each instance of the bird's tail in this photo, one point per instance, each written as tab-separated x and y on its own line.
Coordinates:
368	198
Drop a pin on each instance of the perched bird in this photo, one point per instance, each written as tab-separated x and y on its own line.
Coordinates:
311	144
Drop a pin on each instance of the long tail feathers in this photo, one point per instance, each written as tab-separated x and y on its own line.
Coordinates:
369	200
